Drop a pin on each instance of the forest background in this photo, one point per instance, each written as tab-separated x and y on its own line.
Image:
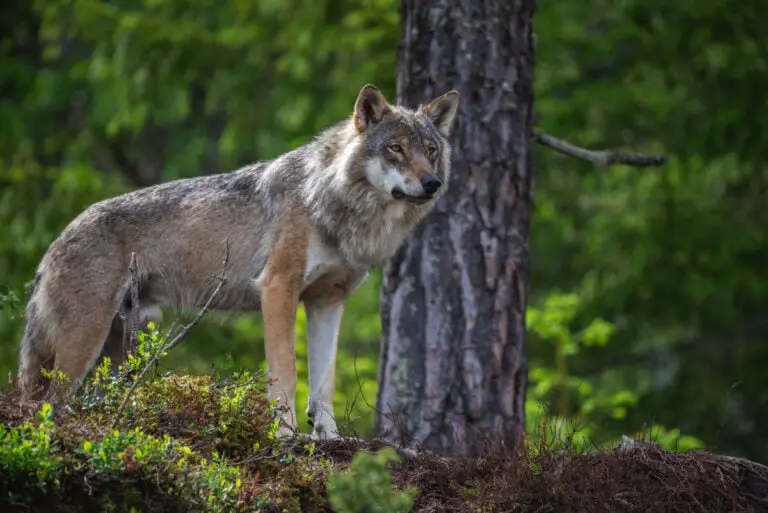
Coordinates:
648	286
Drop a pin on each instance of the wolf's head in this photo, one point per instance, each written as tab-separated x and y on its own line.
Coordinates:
406	153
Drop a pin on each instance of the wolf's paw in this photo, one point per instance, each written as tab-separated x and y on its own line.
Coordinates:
324	432
321	419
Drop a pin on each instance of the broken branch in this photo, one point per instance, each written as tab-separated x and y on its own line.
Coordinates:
131	321
604	158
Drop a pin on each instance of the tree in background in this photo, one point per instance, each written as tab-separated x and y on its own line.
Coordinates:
452	365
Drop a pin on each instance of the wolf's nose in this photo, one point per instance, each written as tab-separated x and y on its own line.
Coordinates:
431	184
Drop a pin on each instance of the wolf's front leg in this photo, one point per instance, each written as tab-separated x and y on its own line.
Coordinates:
323	322
279	307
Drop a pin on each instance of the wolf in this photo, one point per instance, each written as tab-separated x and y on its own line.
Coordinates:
305	227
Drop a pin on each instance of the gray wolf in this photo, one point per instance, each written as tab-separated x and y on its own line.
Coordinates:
305	227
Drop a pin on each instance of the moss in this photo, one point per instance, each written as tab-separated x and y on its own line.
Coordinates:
186	443
229	415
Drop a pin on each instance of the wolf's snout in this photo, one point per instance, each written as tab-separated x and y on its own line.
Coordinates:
431	184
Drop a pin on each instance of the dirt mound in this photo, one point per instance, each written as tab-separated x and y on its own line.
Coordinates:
643	478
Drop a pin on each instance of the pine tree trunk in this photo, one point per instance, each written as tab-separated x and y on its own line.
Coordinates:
452	371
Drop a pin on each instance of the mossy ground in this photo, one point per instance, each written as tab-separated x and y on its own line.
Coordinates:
184	444
206	443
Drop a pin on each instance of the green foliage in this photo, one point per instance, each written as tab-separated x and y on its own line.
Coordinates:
565	410
28	456
208	442
670	439
220	484
11	304
366	486
229	421
215	483
106	387
189	444
234	410
670	255
119	451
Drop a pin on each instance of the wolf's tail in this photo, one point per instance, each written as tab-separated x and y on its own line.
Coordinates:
35	351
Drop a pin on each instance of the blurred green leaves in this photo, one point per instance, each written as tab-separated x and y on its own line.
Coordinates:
675	257
666	269
566	410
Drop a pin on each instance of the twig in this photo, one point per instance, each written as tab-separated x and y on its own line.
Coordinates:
135	306
130	334
168	334
221	278
604	158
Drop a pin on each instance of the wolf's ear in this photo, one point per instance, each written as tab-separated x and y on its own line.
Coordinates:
370	107
442	111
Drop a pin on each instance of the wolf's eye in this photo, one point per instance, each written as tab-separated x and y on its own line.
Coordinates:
431	150
396	148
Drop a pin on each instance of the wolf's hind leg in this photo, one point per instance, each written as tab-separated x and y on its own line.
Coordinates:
78	349
35	352
84	323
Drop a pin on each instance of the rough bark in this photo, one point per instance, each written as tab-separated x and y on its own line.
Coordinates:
452	372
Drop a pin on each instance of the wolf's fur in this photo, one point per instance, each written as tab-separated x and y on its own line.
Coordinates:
306	226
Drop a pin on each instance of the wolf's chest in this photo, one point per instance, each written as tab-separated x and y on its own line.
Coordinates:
326	265
321	261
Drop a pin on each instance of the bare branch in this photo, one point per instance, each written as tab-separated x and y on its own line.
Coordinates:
221	279
604	158
408	449
131	321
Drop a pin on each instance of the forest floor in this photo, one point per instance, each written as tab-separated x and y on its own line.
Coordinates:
206	444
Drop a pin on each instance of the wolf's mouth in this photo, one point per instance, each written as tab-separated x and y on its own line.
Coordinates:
399	194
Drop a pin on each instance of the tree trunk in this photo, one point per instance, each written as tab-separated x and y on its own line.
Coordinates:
452	372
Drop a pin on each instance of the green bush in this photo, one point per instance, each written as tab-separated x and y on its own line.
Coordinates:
567	410
366	486
28	457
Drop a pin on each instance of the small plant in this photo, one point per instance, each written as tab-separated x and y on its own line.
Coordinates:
214	483
55	378
218	484
105	389
129	452
366	486
234	410
28	454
